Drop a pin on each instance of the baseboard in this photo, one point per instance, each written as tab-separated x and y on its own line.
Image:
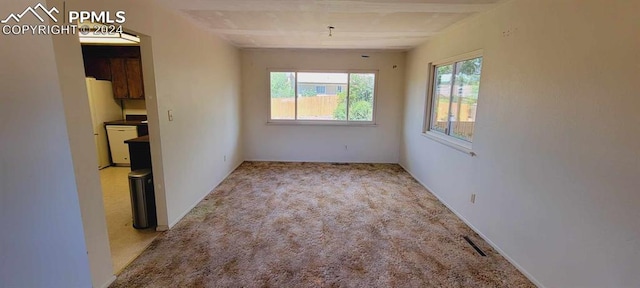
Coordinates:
484	237
109	282
319	161
200	200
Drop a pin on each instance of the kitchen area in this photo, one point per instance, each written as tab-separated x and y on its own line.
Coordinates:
118	110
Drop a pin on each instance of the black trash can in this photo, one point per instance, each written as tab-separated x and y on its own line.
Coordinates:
143	199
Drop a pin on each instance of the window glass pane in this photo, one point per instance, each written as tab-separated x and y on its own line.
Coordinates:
318	96
441	98
361	86
465	98
283	104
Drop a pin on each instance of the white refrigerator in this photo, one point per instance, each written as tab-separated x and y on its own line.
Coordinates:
104	108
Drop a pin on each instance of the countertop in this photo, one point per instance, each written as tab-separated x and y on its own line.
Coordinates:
125	122
141	139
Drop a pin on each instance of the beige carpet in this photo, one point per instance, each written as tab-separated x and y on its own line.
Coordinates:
126	243
319	225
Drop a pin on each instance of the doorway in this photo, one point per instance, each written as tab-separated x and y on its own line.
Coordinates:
71	77
117	99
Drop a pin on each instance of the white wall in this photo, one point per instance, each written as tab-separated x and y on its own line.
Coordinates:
556	175
41	242
134	107
186	70
198	78
321	143
76	104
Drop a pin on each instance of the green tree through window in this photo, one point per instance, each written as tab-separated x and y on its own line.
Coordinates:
282	84
361	89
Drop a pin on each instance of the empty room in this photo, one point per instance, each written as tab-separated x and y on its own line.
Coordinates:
321	143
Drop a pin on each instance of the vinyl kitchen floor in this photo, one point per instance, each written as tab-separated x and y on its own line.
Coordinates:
126	242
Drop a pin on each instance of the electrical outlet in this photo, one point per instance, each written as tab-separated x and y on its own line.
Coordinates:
346	148
473	198
225	158
170	114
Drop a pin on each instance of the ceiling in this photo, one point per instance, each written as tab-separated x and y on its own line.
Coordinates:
359	24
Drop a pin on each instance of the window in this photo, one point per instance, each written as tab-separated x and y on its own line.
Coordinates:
454	90
322	97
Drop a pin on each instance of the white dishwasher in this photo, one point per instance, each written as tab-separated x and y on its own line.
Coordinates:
119	150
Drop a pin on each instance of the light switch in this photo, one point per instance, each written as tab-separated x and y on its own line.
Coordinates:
170	114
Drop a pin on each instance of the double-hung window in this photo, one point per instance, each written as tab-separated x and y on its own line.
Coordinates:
453	99
322	97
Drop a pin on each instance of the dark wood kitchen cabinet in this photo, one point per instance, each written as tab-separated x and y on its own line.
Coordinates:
119	78
133	67
98	68
126	77
119	64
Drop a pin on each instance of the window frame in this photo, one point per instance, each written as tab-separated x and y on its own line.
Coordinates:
454	142
346	122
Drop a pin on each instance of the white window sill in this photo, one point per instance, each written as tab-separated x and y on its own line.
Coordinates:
451	142
320	123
